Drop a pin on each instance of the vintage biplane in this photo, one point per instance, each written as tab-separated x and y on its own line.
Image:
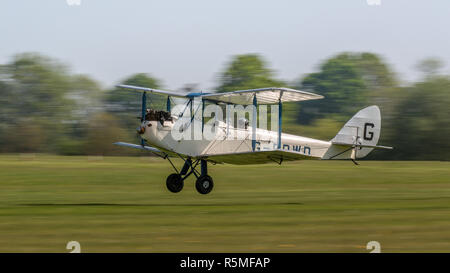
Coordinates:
356	139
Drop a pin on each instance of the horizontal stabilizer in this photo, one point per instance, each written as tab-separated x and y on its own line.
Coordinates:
363	145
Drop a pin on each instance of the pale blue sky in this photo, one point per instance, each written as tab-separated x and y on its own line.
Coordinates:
190	41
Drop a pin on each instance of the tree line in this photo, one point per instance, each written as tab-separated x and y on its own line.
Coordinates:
47	109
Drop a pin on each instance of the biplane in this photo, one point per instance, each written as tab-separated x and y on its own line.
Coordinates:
357	138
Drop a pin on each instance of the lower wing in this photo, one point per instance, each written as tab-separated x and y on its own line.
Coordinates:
241	158
257	157
153	150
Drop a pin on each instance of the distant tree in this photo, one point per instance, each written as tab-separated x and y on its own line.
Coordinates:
87	96
43	105
29	137
6	112
346	80
421	122
103	130
375	73
39	85
430	66
36	102
340	82
246	72
120	100
126	104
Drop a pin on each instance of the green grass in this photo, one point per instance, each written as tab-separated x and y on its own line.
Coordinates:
120	204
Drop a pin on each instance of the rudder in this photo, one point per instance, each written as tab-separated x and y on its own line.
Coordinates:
363	129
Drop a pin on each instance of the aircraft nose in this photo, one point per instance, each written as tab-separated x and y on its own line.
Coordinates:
141	130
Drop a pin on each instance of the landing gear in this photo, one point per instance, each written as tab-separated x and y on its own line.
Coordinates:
204	183
174	183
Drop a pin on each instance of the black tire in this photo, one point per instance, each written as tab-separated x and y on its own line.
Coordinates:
204	184
174	183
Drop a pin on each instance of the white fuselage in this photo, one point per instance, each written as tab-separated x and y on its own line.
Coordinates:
225	142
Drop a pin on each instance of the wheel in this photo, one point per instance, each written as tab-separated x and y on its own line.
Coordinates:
204	184
174	183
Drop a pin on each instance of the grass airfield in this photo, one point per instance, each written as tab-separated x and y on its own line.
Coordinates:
120	204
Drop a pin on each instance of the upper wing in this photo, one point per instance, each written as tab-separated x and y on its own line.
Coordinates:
269	95
151	90
257	157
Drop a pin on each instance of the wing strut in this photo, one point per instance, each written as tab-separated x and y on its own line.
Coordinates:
280	119
144	111
254	122
168	108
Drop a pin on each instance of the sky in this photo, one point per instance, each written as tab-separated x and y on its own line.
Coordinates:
190	42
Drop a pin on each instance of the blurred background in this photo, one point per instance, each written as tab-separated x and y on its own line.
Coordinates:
60	61
62	180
